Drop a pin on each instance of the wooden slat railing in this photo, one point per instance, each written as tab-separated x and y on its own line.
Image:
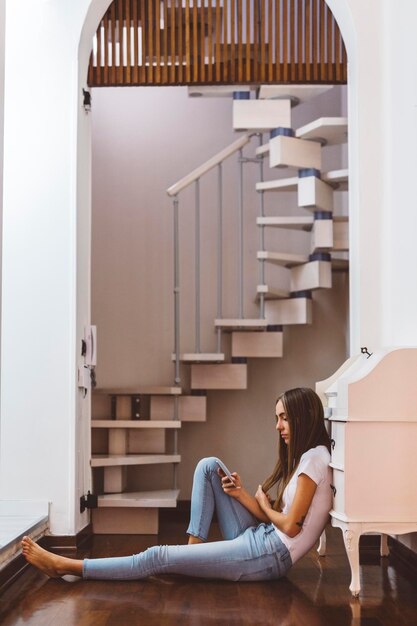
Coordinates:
186	42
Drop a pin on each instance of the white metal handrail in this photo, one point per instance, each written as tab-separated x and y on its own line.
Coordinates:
208	165
173	191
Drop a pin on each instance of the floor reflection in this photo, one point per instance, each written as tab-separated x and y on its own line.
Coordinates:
315	593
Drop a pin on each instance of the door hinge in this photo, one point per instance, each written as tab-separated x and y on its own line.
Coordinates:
90	501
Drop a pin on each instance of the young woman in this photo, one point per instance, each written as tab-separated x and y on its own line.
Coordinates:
262	538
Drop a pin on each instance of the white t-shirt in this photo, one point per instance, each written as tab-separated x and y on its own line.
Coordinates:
315	464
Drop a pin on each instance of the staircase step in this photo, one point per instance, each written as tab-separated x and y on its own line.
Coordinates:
257	345
201	357
288	312
292	152
139	390
293	223
271	293
190	408
322	235
312	275
113	460
326	130
140	499
222	376
131	513
133	424
339	179
261	115
314	194
125	520
297	93
282	258
281	184
240	324
215	91
341	234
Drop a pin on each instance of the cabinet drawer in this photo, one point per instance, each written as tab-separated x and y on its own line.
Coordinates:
338	444
339	504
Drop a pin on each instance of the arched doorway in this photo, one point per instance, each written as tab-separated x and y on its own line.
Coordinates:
118	108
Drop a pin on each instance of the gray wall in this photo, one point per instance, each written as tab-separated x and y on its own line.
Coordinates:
144	140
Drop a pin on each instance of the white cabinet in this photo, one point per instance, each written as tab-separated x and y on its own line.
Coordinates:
337	433
373	426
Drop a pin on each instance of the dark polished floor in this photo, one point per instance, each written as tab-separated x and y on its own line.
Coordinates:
315	593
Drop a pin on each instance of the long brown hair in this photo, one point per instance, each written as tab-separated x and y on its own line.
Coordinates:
305	416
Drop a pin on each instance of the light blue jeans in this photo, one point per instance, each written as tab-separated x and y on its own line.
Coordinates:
251	551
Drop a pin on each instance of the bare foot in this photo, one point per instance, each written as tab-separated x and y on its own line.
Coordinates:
50	564
40	558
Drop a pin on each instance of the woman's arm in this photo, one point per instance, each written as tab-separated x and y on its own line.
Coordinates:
250	503
238	492
292	522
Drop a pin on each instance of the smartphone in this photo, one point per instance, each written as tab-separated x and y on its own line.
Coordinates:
226	471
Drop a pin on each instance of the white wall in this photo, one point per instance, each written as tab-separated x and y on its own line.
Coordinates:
144	140
400	94
383	132
2	49
39	348
400	130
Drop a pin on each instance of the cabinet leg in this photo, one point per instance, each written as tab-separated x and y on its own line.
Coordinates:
351	539
384	549
322	544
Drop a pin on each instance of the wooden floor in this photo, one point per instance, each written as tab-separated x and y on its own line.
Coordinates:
315	593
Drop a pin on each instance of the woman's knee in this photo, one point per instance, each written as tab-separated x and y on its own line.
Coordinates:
207	465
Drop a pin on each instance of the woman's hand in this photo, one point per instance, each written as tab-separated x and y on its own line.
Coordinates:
232	489
238	491
263	499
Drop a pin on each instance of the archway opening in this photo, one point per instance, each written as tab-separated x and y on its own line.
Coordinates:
107	136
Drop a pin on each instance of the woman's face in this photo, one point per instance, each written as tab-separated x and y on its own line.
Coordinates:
282	426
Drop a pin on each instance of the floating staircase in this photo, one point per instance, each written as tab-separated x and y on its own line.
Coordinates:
267	293
327	131
295	223
260	115
288	151
201	357
134	436
289	312
282	258
229	376
291	304
253	345
138	419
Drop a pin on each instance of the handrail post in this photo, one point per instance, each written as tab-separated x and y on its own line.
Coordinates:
197	265
240	233
220	255
175	466
176	292
261	235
